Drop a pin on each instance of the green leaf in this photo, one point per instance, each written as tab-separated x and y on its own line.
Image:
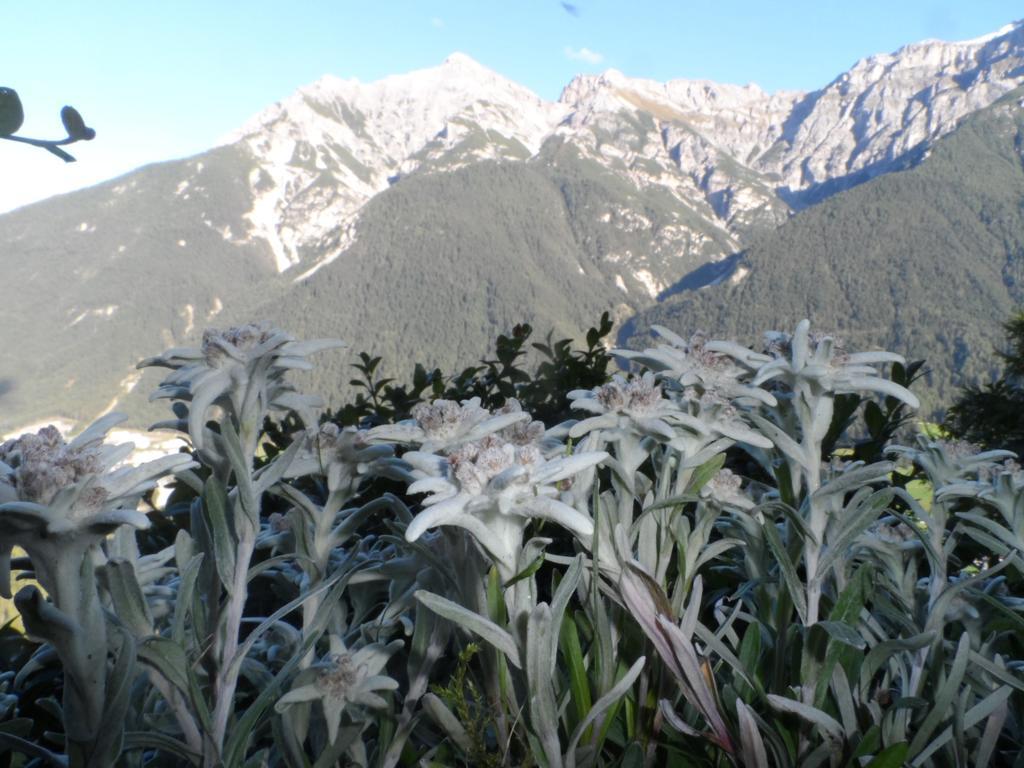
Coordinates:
855	478
882	652
808	713
18	744
789	447
183	602
993	705
749	655
126	595
891	757
572	653
794	586
242	733
75	125
478	625
107	745
633	757
218	521
610	699
563	594
944	697
754	754
539	673
146	740
242	467
874	418
704	473
527	572
844	633
12	115
168	658
446	721
856	520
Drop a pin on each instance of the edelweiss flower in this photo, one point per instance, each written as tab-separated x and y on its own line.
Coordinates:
445	424
726	489
636	407
949	463
817	361
492	488
707	366
527	432
241	369
60	497
724	419
344	680
345	457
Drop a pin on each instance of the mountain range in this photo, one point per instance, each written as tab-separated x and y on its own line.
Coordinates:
419	216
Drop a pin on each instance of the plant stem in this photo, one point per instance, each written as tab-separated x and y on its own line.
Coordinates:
227	672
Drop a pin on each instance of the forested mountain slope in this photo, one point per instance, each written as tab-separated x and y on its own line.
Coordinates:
928	262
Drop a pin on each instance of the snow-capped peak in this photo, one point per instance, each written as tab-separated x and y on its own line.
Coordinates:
364	135
1005	31
334	144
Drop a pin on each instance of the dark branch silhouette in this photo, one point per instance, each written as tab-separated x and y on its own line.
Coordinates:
12	115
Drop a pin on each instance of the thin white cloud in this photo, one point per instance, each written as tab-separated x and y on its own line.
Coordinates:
437	23
583	54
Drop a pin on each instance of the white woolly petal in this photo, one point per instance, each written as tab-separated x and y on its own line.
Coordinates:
97	430
742	434
127	479
514	475
575	394
114	454
372	658
569	518
655	428
559	469
690	422
814	371
770	370
430	463
799	344
202	399
670	336
588	404
449	512
755	393
379	683
403	432
873	384
293	363
580	428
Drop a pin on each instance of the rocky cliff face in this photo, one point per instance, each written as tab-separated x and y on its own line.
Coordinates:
734	159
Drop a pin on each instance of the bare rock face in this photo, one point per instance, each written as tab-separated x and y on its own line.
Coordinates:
892	105
743	147
730	159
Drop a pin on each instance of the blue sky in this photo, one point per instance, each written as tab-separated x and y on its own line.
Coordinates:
165	80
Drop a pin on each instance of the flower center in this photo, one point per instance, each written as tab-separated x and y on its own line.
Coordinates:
44	464
338	675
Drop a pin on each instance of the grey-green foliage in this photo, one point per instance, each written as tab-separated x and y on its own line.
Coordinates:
636	603
925	261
